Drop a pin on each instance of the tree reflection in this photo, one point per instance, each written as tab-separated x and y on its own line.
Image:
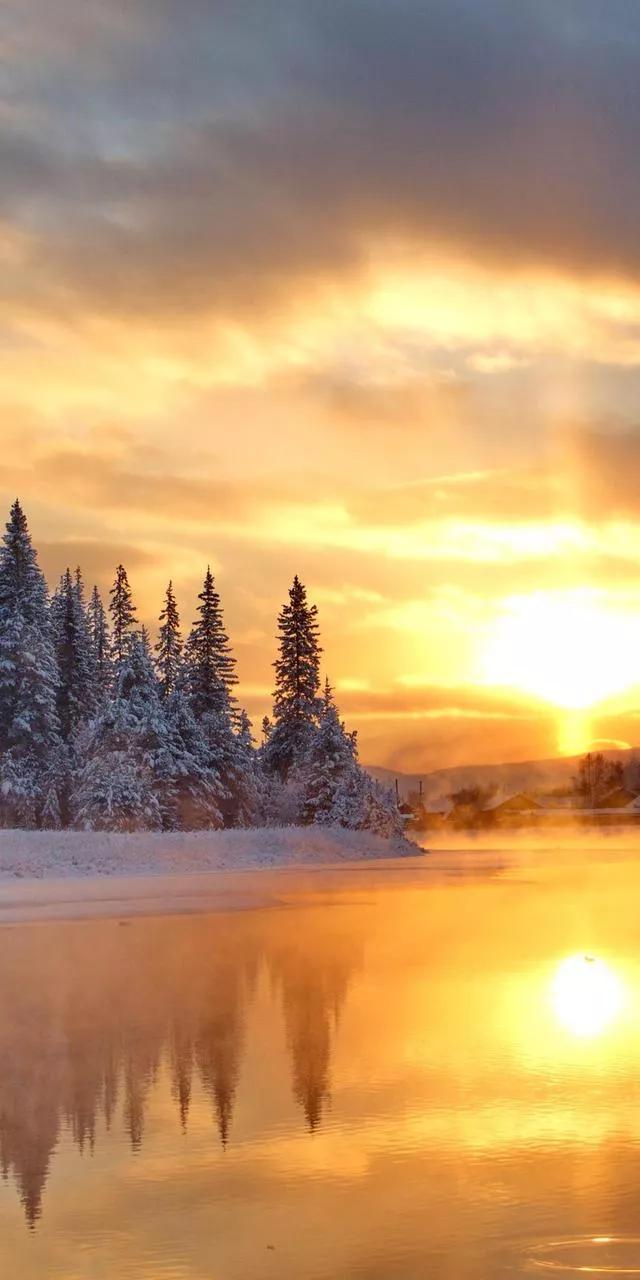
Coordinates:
91	1013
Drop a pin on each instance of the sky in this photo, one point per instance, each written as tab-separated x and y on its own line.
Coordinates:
349	290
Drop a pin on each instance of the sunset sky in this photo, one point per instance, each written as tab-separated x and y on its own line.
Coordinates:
349	289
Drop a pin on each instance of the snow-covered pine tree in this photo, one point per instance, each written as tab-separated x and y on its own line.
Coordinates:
76	693
83	608
100	643
113	794
78	587
146	761
76	685
296	705
245	733
379	811
210	677
250	795
210	664
169	645
195	794
123	617
142	634
363	804
330	758
29	730
124	749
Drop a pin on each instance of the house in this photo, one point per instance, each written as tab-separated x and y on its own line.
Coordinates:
619	798
406	812
519	803
431	817
510	811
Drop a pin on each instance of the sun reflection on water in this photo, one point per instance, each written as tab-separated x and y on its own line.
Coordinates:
586	995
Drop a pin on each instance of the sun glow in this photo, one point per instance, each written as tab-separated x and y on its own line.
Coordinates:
586	995
569	649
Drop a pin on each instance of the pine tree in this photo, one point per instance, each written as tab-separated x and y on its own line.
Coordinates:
379	811
29	731
363	804
210	665
210	677
296	705
245	733
169	646
124	749
123	617
194	795
100	643
250	782
142	634
76	694
76	685
330	758
146	767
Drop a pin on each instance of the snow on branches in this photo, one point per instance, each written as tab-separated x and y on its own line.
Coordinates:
99	731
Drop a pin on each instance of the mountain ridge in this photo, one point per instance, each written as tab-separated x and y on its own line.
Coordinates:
521	775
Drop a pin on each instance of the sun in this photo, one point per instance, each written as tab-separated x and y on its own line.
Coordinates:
568	648
586	995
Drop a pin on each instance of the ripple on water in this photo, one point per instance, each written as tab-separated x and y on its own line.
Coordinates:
587	1255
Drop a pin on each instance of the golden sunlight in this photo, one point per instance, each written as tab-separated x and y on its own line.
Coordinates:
568	648
574	732
586	995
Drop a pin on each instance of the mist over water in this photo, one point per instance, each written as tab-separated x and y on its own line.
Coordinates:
410	1072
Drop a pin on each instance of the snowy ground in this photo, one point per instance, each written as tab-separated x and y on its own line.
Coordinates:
45	854
63	874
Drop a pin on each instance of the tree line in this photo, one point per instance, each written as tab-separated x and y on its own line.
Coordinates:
100	729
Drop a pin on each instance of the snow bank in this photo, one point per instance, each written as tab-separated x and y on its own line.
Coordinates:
62	854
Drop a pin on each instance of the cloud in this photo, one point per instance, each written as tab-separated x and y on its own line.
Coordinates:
96	559
428	701
501	495
225	162
603	472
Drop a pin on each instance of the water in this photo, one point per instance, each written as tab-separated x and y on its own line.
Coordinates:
401	1072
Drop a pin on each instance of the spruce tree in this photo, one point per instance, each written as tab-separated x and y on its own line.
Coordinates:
210	665
169	646
145	640
78	588
76	695
123	617
123	747
296	701
210	677
363	804
146	765
76	685
331	757
194	794
250	783
29	730
100	642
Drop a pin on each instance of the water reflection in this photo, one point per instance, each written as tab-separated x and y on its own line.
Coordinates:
90	1012
407	1077
587	995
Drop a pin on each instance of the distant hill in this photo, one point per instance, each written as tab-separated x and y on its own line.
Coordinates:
525	775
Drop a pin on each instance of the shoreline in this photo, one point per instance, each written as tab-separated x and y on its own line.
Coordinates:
58	874
125	898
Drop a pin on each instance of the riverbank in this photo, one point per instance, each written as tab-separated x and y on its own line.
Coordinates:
77	854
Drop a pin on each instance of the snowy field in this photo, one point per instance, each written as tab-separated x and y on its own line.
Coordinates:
60	854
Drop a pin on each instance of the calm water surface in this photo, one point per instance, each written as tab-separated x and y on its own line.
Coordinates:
377	1073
